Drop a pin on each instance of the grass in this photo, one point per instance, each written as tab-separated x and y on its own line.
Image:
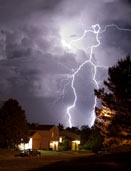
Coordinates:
8	161
64	161
10	154
46	152
7	154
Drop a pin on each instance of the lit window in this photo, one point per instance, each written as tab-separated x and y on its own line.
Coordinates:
52	135
60	139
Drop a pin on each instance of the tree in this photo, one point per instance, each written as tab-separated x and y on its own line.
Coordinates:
85	133
60	126
114	117
93	140
13	124
74	129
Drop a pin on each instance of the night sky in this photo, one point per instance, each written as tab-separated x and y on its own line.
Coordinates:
37	58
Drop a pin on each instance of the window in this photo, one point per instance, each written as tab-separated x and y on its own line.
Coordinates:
52	134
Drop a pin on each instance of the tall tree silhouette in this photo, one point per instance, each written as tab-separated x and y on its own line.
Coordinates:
114	117
13	124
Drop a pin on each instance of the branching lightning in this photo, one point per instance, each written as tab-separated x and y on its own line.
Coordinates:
96	30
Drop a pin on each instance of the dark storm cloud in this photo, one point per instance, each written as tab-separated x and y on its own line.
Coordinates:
102	11
34	65
21	11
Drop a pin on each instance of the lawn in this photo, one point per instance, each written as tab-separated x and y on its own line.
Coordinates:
8	161
64	161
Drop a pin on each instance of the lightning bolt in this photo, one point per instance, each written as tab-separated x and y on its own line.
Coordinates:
116	26
95	29
63	84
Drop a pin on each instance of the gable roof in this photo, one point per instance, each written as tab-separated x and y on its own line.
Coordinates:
40	127
32	133
70	134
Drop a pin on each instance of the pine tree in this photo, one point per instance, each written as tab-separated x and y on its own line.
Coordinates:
114	118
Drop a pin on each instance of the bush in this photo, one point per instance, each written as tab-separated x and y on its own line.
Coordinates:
64	146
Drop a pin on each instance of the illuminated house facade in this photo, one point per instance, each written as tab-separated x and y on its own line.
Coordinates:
44	137
72	137
48	137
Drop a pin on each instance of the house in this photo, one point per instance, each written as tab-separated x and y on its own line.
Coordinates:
73	138
48	137
43	137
